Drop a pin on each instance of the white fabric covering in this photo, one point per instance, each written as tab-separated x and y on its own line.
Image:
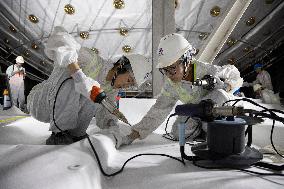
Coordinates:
27	164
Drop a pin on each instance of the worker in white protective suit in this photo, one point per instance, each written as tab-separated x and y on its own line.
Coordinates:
263	77
16	74
175	61
262	86
74	109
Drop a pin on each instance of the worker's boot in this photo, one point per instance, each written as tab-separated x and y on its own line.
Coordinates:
78	138
61	138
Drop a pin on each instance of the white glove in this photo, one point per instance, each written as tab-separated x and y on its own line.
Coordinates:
222	85
116	136
121	140
84	84
126	140
61	47
65	56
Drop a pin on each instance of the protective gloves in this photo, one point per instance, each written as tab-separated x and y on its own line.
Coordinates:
65	56
120	138
117	136
62	48
222	85
125	140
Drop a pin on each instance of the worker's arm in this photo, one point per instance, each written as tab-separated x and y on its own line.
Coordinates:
10	72
267	80
156	115
231	76
83	84
23	70
228	73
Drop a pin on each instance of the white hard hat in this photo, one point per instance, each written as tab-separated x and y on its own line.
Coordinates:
59	38
256	87
141	68
171	48
20	59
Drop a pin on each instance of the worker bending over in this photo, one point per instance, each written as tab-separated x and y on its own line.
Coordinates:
74	107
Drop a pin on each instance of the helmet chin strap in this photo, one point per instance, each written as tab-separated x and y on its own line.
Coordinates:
186	58
186	66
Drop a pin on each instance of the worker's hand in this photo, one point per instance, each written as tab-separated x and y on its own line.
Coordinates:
16	72
22	72
117	137
222	85
62	48
65	56
227	87
126	140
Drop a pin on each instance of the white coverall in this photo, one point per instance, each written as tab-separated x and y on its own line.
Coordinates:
16	82
183	91
267	94
73	112
264	79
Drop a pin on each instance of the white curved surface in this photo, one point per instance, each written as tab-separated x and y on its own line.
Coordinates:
26	163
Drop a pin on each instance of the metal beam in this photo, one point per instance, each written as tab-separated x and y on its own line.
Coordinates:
31	64
163	23
223	31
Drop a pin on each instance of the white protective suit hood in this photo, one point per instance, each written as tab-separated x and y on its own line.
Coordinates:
59	43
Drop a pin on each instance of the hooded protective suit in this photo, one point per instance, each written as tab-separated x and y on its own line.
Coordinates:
16	81
264	79
73	111
266	95
186	93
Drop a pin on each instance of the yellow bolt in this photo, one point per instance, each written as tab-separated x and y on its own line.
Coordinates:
6	92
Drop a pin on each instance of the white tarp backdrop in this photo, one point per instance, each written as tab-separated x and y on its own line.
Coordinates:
99	18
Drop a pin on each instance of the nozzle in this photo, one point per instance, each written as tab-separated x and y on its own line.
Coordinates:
110	106
120	116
